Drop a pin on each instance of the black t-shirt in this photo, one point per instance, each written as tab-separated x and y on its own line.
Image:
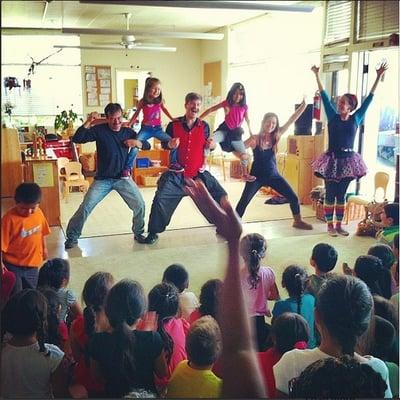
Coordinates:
147	348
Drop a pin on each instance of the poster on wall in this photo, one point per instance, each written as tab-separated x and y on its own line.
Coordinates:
98	85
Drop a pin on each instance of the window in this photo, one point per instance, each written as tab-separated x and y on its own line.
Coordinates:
338	20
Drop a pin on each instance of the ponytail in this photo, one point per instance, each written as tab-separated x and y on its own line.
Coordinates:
166	338
253	267
299	286
294	280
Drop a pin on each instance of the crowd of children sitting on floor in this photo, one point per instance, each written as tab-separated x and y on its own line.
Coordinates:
335	335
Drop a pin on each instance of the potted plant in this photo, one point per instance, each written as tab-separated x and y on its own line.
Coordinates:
65	120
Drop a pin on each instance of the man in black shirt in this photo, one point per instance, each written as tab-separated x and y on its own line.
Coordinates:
112	144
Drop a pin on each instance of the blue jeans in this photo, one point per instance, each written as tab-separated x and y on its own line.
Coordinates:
237	145
99	189
145	133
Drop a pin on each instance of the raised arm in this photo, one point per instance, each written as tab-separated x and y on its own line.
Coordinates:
212	109
242	377
85	133
379	75
294	117
330	110
166	112
136	114
315	69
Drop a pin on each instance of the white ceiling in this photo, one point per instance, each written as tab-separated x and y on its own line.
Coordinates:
73	14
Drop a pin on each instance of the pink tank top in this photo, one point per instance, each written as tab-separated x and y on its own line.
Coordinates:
151	114
235	116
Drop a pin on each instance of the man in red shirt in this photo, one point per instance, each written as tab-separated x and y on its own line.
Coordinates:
190	136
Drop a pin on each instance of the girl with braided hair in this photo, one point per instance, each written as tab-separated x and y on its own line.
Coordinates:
30	368
84	327
294	280
343	312
258	284
126	358
164	301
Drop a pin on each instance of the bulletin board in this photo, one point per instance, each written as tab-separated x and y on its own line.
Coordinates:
98	85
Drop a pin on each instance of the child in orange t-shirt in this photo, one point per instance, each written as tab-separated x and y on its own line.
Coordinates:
23	231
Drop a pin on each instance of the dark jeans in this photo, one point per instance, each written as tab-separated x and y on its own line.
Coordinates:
169	194
26	277
277	183
336	190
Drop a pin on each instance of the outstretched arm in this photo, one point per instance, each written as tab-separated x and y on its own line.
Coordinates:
136	114
212	109
379	74
330	109
294	117
242	378
166	112
315	69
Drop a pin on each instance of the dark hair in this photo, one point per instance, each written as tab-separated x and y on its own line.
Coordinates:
384	344
53	323
325	257
275	131
28	193
94	296
294	279
53	272
252	248
370	270
352	99
150	81
209	297
125	304
288	329
338	378
192	96
203	341
345	306
384	253
164	300
236	86
25	314
385	309
112	108
396	241
392	211
177	275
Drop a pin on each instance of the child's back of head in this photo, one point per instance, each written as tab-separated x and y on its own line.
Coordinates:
392	213
324	257
378	279
384	253
53	312
209	297
54	273
203	342
289	329
253	248
294	280
177	275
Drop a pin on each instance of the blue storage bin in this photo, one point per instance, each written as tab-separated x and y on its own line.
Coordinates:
143	162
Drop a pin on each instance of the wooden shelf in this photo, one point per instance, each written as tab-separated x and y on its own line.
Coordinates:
155	154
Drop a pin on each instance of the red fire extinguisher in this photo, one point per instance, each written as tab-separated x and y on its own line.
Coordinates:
317	106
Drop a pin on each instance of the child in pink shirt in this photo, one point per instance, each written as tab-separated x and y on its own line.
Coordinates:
258	285
164	300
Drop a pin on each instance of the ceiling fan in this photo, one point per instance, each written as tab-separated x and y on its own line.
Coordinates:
127	42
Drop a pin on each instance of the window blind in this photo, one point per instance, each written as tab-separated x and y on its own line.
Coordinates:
338	20
377	19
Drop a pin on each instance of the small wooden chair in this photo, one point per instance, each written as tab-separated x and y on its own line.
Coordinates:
61	163
74	178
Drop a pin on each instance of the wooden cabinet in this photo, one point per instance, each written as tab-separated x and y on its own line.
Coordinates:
45	173
139	175
11	162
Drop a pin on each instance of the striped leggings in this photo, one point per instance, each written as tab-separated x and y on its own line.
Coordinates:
335	193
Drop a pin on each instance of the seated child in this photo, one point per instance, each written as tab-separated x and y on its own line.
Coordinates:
323	259
23	232
210	294
293	280
395	272
55	274
163	299
30	368
390	221
193	378
178	276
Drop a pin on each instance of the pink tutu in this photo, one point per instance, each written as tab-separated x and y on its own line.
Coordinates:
330	167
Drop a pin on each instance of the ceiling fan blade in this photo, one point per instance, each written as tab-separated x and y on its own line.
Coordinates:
220	4
145	34
148	48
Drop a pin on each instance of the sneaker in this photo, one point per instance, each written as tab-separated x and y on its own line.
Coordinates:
302	225
140	238
332	231
248	178
176	168
151	238
341	231
126	174
70	244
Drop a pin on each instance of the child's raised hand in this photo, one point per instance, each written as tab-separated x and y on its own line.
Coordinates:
223	216
315	69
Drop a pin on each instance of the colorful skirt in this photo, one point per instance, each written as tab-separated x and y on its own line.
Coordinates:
335	167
